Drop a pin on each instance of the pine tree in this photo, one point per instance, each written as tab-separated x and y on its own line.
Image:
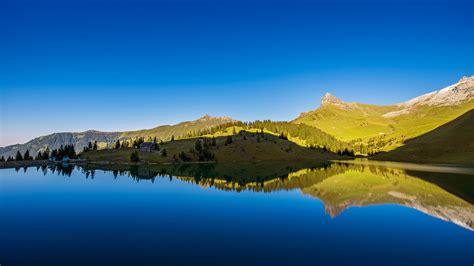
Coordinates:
198	145
164	153
18	156
228	140
117	144
46	154
213	143
172	138
95	145
134	157
2	159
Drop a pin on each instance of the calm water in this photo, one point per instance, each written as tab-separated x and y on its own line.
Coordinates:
278	214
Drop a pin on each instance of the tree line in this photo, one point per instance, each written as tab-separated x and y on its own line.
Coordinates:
56	154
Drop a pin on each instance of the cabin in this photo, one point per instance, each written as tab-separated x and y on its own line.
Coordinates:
147	146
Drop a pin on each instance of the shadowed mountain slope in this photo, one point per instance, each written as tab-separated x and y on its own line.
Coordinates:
452	142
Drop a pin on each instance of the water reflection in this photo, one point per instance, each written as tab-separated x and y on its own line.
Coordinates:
339	185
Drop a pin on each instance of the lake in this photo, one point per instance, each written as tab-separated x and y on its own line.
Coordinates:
237	214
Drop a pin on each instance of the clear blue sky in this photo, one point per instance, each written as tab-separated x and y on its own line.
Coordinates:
121	65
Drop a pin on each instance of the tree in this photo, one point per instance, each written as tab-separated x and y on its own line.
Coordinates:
117	144
183	156
39	156
198	145
134	157
46	154
27	156
164	153
228	140
172	137
18	156
213	142
89	146
2	159
233	131
95	145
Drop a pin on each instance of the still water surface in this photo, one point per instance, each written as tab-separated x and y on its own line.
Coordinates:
248	214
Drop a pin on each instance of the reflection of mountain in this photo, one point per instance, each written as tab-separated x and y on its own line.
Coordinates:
363	186
339	185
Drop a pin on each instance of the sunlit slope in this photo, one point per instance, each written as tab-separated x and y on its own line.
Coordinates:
452	142
386	127
167	131
356	121
245	147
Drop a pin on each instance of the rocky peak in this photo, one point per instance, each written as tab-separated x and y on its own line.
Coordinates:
451	95
207	117
466	79
329	99
455	94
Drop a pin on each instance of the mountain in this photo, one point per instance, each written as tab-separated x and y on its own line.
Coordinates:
387	127
81	139
166	131
452	142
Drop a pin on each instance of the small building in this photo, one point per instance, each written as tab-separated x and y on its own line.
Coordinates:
147	146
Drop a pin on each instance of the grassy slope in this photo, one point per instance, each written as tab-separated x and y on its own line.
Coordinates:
367	122
270	148
450	143
363	121
166	131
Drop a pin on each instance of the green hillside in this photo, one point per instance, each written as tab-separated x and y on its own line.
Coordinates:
356	121
452	142
245	147
372	128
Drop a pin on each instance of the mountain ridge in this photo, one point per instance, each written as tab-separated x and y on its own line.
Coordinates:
81	139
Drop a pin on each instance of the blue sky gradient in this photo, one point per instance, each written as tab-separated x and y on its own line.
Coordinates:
124	65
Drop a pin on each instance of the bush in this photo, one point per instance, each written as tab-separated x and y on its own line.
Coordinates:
134	157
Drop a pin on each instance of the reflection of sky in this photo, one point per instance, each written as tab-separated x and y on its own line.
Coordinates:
54	217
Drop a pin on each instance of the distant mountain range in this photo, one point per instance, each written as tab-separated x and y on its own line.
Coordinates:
363	126
82	139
